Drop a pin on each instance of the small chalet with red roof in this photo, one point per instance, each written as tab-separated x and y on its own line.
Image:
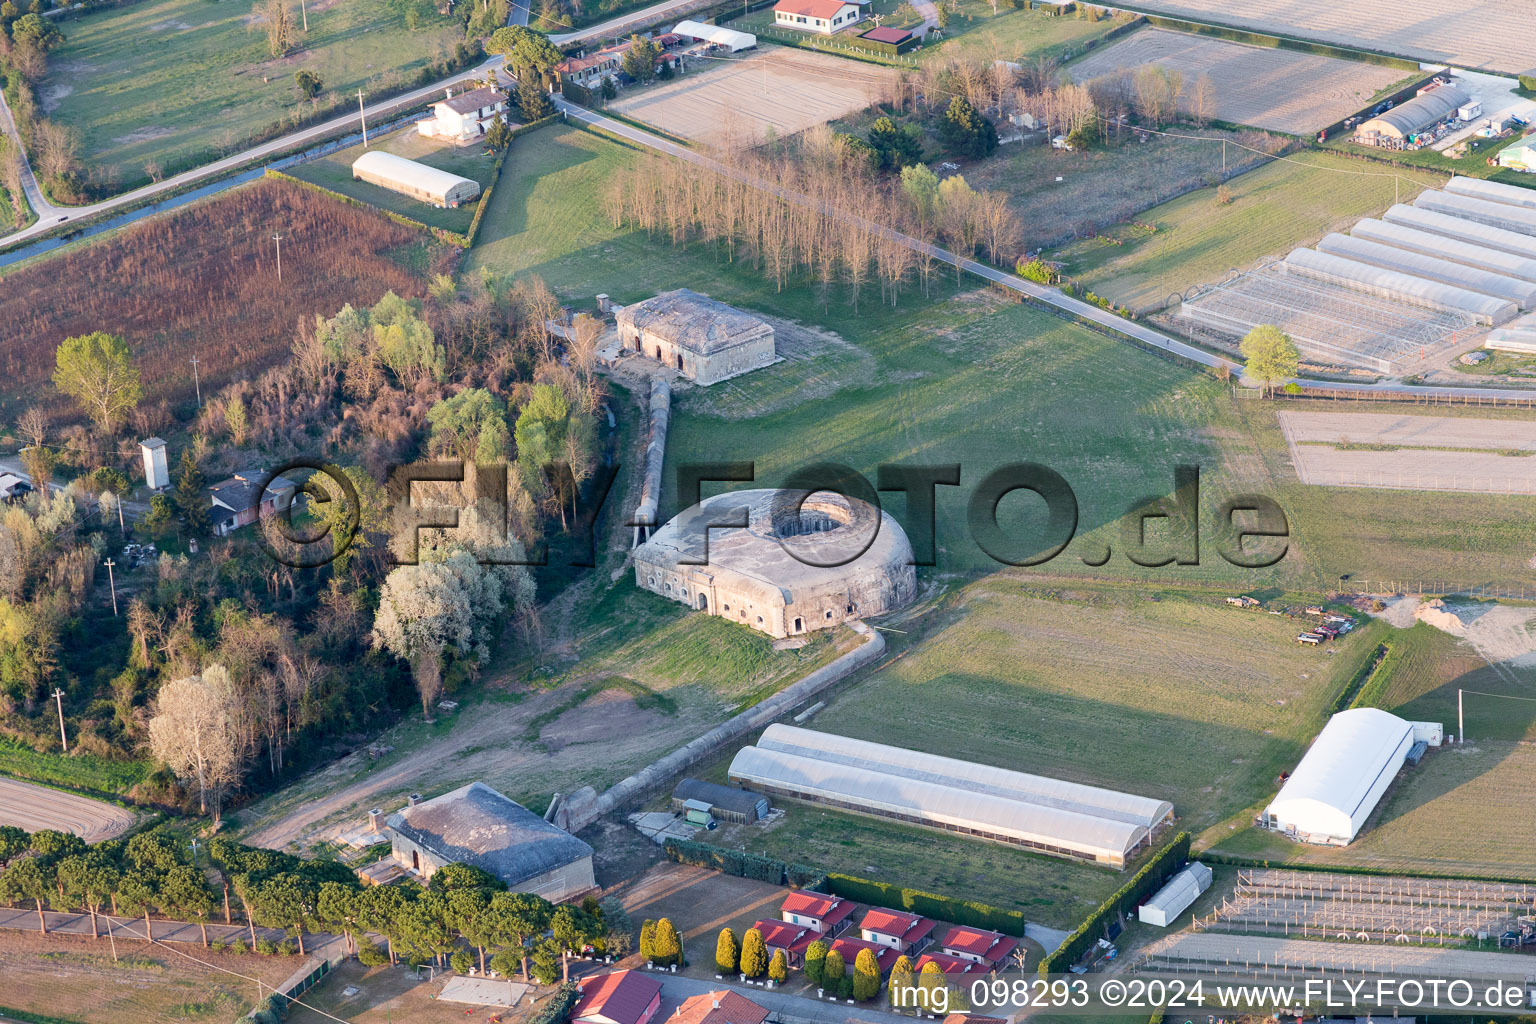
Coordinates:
622	997
905	933
950	965
722	1007
849	949
791	938
978	946
828	915
821	16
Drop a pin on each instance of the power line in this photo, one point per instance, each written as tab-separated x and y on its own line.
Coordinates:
1506	696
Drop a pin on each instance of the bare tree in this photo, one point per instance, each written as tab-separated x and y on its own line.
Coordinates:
57	148
1202	100
277	19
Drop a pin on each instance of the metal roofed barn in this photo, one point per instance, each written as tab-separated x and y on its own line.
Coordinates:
417	180
1344	774
725	802
1416	114
476	825
1062	818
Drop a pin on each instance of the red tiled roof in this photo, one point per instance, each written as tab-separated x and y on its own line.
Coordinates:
723	1007
973	1018
909	928
886	34
885	956
827	9
994	946
783	935
622	996
830	910
948	964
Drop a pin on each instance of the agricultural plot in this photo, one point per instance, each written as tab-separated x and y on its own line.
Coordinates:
777	90
1496	37
951	375
1419	453
203	281
1266	87
158	82
474	162
1199	238
1062	196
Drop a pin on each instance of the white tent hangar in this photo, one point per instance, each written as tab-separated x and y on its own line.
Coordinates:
1062	818
1175	897
718	34
1344	773
417	180
1431	268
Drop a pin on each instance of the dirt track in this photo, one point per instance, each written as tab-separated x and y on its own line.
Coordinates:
1281	90
36	807
1429	453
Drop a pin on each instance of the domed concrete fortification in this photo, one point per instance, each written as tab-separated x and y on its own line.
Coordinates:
793	568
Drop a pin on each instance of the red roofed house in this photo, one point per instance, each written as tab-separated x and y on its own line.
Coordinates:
826	914
978	946
905	933
948	964
621	997
723	1007
791	938
973	1018
885	956
823	16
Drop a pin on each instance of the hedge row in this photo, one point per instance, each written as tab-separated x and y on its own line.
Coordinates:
1239	861
743	864
944	908
557	1005
1166	863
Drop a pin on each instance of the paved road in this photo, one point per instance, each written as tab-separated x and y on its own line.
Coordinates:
1045	294
625	24
40	205
34	807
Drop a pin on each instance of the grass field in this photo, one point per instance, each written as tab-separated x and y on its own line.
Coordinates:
474	162
162	80
79	771
971	377
1197	238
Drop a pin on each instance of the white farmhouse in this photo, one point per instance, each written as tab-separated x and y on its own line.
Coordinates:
821	16
465	117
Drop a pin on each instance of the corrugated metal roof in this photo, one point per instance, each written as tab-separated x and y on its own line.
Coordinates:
1420	112
1470	253
980	778
1401	286
741	801
1431	268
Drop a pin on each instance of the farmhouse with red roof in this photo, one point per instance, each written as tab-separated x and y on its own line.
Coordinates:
826	914
978	945
822	16
905	933
849	949
621	997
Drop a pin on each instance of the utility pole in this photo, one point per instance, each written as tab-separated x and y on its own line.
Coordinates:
363	116
197	382
120	524
112	581
1461	722
279	240
305	9
58	699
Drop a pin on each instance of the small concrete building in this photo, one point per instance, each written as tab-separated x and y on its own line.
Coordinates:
410	178
784	573
704	340
156	474
476	825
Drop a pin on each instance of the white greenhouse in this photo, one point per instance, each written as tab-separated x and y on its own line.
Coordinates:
1466	230
729	38
1343	774
1494	191
1472	254
1483	211
1430	268
417	180
1061	818
1400	286
1174	898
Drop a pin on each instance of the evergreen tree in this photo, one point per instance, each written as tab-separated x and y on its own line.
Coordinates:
191	500
532	101
778	967
814	964
500	135
754	954
833	970
609	90
897	989
726	952
668	947
965	132
895	146
648	941
866	975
